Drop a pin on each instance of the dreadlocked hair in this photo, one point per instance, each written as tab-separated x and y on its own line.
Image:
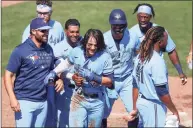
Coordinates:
152	36
44	2
149	5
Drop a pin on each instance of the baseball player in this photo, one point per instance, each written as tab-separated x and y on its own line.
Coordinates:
44	10
144	14
150	79
30	62
62	50
94	72
122	44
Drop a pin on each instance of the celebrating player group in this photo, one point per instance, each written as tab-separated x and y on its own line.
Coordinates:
63	79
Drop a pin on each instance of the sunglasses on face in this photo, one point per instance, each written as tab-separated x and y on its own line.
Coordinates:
43	13
44	31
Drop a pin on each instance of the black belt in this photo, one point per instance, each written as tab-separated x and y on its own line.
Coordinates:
71	86
91	95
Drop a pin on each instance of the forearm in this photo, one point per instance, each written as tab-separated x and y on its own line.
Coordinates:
9	80
175	60
166	99
62	66
135	96
106	81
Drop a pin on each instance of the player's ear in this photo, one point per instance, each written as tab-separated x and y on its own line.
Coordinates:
33	32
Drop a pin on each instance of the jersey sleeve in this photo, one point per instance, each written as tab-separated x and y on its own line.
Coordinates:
62	35
15	61
108	66
26	34
71	56
159	73
170	44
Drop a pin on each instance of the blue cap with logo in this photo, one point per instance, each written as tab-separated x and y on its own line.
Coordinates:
117	16
39	24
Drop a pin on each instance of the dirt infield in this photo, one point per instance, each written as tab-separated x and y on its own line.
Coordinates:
181	96
8	3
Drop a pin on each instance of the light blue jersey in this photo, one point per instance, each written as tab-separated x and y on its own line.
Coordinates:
122	57
100	63
148	75
86	111
56	34
170	43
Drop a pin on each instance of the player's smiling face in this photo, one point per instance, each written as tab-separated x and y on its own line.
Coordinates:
73	33
143	19
44	14
91	46
41	35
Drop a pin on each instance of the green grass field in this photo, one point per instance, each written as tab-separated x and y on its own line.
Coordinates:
175	16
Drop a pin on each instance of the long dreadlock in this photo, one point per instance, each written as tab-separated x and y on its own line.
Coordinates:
44	2
149	5
152	36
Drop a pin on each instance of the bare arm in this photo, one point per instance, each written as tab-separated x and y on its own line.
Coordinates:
176	62
9	78
106	81
135	96
166	99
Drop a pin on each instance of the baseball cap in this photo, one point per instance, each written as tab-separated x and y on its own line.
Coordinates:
39	23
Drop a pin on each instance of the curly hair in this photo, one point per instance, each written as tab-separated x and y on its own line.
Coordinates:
149	5
44	2
152	36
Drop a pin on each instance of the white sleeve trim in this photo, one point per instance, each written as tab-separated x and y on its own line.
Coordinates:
63	65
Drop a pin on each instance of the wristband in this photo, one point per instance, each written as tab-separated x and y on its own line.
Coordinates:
179	68
97	78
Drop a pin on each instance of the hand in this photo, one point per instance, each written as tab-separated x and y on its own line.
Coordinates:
183	79
177	115
189	58
77	79
131	116
15	105
59	85
51	75
88	75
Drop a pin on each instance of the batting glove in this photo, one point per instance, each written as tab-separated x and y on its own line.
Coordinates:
89	76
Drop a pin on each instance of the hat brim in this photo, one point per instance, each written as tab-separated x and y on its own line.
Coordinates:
118	22
44	28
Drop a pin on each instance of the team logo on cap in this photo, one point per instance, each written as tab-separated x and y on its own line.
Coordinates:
117	16
33	57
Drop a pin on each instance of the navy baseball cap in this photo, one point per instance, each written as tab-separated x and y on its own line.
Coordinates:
39	24
117	16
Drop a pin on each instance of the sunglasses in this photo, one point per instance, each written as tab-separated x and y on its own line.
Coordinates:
44	31
43	13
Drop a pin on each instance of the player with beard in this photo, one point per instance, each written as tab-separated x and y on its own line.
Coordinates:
30	62
145	12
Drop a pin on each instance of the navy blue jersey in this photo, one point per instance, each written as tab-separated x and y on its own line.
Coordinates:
31	65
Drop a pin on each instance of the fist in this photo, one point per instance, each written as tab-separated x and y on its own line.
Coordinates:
77	79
